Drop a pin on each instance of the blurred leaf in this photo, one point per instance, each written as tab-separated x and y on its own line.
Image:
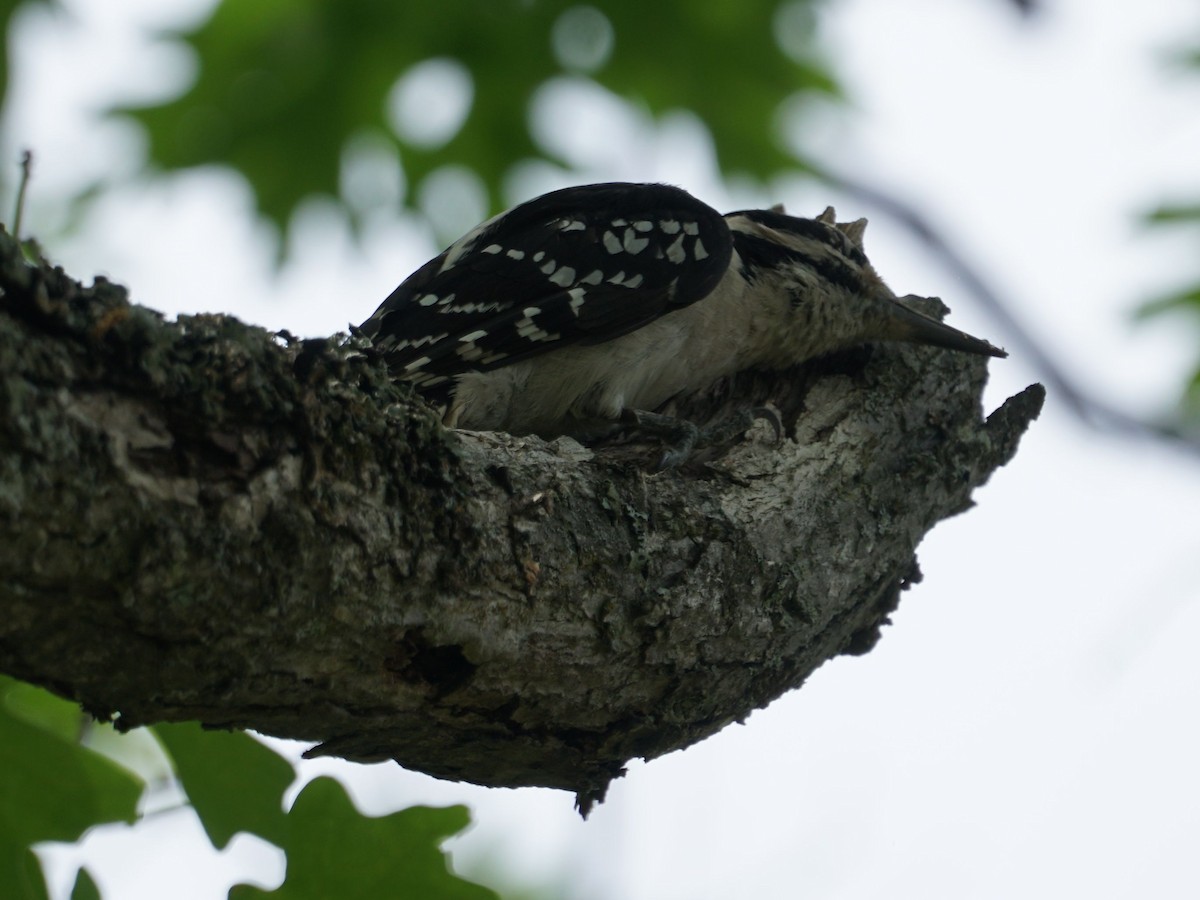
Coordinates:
20	873
1171	214
334	850
51	789
723	62
1182	300
135	750
1182	57
234	782
39	707
284	84
85	888
1186	300
1191	395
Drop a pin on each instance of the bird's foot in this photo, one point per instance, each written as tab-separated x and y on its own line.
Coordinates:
683	438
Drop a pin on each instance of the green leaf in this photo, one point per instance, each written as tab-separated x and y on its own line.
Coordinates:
54	790
234	782
737	91
85	888
39	707
20	873
283	85
1191	395
51	788
1182	58
334	850
1173	213
1187	299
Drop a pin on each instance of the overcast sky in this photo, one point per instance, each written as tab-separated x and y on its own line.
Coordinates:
1027	728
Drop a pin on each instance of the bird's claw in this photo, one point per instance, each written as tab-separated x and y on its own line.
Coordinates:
683	438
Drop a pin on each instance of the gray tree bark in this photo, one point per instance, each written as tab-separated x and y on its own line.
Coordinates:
202	520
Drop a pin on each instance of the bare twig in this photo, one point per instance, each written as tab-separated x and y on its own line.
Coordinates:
19	210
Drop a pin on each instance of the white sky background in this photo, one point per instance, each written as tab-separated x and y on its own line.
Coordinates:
1028	726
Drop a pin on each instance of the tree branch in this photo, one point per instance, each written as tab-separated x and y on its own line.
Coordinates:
199	520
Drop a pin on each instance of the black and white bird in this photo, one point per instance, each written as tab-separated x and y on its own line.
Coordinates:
586	304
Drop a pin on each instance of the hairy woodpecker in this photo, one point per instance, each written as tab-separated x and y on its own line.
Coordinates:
589	303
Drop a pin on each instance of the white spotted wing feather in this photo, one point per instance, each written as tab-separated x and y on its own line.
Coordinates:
580	265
